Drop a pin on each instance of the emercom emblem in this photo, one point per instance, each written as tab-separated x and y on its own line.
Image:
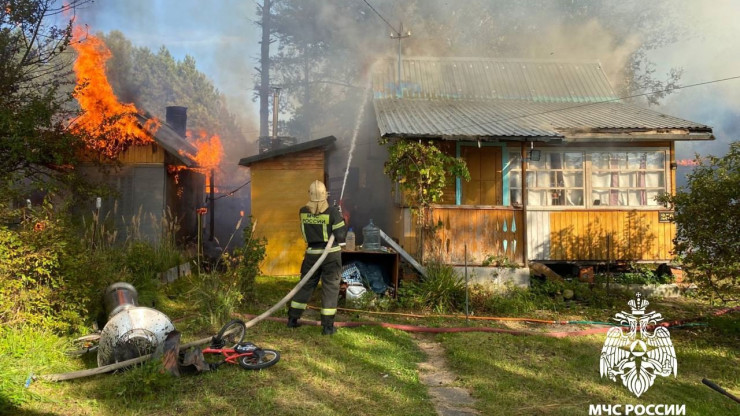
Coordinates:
634	354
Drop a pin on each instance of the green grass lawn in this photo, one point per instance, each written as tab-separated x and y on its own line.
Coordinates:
515	375
361	371
372	370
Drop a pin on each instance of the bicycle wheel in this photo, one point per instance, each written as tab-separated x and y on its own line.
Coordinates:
262	358
232	333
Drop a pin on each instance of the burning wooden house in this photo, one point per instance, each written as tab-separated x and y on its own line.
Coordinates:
561	169
280	180
157	176
157	186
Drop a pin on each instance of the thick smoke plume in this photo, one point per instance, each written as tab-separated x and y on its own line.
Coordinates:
331	45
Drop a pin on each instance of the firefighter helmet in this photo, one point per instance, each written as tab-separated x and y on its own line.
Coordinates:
317	191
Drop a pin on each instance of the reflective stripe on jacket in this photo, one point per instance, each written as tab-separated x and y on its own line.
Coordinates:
316	228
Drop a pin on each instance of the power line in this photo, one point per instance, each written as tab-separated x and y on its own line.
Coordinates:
208	197
476	124
383	18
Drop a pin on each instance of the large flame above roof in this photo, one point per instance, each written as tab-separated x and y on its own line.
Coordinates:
210	150
209	155
110	126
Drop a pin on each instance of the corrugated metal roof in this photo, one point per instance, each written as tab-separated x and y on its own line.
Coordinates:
508	118
459	97
494	79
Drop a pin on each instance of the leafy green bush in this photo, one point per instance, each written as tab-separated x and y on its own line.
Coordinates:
216	297
51	278
642	275
543	295
499	261
219	293
442	290
33	288
248	259
707	217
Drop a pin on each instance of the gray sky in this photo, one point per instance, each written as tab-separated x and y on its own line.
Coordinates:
223	39
711	52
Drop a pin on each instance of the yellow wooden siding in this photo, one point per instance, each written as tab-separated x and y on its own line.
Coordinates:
481	229
277	195
148	153
308	159
608	235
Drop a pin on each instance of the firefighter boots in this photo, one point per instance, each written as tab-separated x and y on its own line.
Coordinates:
327	324
293	315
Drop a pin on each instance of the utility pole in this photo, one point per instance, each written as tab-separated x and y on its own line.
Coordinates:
400	35
264	91
275	112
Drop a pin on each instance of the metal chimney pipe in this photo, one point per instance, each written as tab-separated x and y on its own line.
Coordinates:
177	118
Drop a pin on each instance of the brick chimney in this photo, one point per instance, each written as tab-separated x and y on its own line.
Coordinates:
177	118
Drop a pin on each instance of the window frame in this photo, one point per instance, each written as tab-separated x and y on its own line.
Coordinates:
587	152
588	184
505	200
627	188
562	170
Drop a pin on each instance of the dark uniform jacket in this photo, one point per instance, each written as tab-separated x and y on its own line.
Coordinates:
317	228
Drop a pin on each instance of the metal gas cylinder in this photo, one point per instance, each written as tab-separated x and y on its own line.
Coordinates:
131	330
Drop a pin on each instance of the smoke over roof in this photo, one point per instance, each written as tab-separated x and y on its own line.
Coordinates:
649	39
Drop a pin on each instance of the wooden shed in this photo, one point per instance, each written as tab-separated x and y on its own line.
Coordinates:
561	169
280	180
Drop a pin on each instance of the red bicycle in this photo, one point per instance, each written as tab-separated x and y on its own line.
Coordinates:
246	354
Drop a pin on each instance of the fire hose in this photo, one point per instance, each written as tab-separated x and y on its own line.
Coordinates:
252	322
553	334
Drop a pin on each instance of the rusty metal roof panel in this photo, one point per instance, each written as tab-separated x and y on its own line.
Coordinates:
493	79
453	118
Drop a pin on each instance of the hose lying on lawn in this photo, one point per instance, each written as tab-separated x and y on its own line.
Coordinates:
252	322
504	318
553	334
719	389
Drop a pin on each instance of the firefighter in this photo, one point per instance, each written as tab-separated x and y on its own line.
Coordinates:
318	220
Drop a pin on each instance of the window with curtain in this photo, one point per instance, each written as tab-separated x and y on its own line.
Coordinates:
514	167
627	178
556	179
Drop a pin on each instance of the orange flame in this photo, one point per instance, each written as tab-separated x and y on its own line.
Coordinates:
110	126
210	153
210	150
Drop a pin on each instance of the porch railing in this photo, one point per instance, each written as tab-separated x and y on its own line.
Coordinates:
487	231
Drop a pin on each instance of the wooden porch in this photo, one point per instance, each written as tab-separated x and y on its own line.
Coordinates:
487	231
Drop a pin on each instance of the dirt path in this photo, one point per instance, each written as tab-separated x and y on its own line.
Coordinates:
434	372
